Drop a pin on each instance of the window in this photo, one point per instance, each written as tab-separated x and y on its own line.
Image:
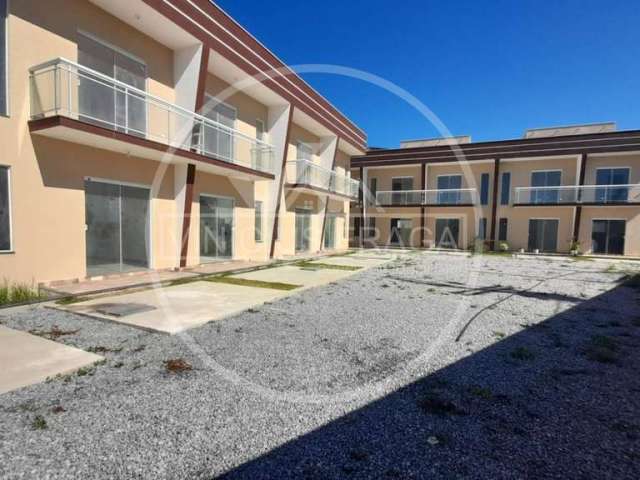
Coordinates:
260	158
543	234
258	221
356	227
449	182
484	189
216	141
502	230
401	184
505	188
5	210
4	90
305	152
373	188
371	228
612	176
544	179
482	228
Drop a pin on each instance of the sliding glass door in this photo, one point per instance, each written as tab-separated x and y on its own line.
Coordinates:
543	235
117	228
216	228
104	104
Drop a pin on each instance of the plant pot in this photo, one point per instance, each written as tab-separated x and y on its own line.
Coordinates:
521	250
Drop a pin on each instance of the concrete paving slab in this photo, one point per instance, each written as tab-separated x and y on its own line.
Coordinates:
178	308
27	359
297	276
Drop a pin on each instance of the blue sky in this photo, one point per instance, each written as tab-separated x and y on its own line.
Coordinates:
486	69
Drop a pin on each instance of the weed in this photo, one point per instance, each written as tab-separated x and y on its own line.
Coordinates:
39	423
481	392
435	405
252	283
54	333
522	353
70	300
359	455
602	349
15	293
499	334
101	349
139	348
327	266
84	371
118	365
58	409
177	365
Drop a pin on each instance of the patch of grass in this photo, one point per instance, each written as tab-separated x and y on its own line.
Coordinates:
602	349
326	266
435	405
481	392
581	258
70	300
499	335
177	365
101	349
16	293
54	333
243	282
39	423
522	353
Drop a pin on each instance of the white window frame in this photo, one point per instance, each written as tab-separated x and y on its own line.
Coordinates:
233	222
401	177
546	218
305	145
450	175
215	101
151	209
10	205
546	170
612	168
261	122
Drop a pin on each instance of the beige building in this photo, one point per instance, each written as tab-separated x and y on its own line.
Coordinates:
556	190
144	134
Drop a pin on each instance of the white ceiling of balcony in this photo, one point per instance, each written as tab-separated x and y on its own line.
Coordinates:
144	18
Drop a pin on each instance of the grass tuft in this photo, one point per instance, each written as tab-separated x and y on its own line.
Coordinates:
327	266
602	349
252	283
522	353
16	293
435	405
54	333
39	423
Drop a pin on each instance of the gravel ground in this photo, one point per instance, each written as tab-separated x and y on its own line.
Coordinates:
428	366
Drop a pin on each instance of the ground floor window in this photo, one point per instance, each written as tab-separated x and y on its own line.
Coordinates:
371	228
607	237
447	232
329	240
258	221
543	235
5	210
356	227
482	228
117	218
400	229
216	227
303	230
502	230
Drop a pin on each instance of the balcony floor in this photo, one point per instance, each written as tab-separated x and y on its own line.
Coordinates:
313	190
75	131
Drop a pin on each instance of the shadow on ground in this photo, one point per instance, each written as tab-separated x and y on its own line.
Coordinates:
560	399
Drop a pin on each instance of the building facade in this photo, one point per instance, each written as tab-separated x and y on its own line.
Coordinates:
556	190
145	134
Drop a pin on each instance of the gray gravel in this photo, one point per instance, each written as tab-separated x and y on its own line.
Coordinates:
429	366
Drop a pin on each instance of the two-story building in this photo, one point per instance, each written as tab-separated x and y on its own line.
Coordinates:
555	190
146	134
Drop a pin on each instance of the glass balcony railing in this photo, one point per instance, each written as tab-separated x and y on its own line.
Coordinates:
578	194
61	87
458	196
305	172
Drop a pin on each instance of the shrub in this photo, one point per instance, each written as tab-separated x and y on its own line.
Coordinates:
19	293
503	246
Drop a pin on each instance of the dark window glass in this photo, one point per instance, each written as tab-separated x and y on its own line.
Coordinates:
502	230
3	57
402	184
608	177
356	227
5	218
545	179
482	229
449	189
484	189
505	188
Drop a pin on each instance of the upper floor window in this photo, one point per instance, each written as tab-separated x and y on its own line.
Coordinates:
545	179
103	103
5	210
612	176
505	188
401	184
216	141
449	182
258	221
305	152
4	61
373	188
484	189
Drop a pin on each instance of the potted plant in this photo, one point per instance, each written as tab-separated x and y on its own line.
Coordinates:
574	248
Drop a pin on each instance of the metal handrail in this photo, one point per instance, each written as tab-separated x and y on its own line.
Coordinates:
304	171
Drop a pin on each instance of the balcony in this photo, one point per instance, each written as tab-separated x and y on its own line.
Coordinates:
78	104
459	197
313	178
578	195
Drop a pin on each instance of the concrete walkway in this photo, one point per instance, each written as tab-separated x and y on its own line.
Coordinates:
26	359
